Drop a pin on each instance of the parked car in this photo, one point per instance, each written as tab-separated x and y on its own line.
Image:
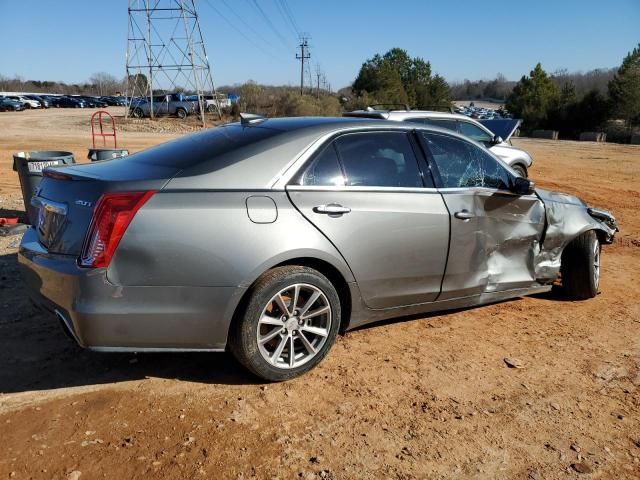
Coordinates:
174	104
519	160
28	103
43	101
291	230
90	102
114	101
8	105
68	102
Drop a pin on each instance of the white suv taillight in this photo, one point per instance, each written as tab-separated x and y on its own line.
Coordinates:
111	217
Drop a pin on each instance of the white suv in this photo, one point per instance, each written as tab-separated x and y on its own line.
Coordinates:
28	102
519	160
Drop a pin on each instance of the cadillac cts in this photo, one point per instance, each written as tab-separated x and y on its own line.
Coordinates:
269	236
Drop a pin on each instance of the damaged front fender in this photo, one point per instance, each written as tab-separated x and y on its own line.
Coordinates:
567	217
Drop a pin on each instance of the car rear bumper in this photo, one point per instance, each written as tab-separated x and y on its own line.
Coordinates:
103	316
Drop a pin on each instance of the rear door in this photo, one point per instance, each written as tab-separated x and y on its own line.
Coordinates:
366	193
495	234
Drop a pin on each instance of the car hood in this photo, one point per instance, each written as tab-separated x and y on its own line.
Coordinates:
548	196
503	127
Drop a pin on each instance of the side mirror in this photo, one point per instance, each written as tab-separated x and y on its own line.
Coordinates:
497	139
523	186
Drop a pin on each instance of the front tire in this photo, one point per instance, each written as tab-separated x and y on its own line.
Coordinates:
520	170
289	323
581	267
182	113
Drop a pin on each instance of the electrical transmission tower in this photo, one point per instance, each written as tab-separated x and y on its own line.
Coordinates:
166	53
302	56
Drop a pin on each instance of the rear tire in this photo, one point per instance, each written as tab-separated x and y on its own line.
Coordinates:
138	113
581	267
278	338
182	113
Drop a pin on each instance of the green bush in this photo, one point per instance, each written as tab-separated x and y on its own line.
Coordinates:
296	105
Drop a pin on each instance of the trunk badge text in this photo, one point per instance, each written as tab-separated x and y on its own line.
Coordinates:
83	203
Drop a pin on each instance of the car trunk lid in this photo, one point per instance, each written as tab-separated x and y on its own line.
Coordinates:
67	196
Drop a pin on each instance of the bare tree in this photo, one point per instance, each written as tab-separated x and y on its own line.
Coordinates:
105	83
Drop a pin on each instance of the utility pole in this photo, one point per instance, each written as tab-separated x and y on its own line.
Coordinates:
302	56
318	75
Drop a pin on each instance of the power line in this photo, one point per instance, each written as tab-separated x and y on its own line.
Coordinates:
290	16
269	23
247	25
287	21
258	46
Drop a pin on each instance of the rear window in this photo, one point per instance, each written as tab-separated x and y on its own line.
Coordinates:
200	147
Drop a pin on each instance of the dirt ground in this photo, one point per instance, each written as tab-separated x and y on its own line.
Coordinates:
408	399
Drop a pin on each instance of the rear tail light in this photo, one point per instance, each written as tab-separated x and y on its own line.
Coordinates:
111	217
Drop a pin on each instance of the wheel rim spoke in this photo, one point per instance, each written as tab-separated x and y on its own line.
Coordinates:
310	303
269	320
296	294
315	313
271	335
292	352
315	330
306	343
276	354
280	302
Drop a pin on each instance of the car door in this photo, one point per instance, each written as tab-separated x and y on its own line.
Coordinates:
367	194
495	233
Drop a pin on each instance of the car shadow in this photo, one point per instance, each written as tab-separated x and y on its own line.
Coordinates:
36	354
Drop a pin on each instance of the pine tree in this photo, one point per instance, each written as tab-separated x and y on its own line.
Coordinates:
624	89
395	77
533	98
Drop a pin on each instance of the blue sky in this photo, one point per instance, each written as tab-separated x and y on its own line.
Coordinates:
71	39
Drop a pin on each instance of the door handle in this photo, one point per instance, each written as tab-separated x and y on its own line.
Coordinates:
331	209
464	215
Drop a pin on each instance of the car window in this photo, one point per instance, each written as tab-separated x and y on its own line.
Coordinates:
475	133
379	159
324	169
436	122
462	164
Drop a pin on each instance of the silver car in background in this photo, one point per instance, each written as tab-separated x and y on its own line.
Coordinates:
270	236
499	143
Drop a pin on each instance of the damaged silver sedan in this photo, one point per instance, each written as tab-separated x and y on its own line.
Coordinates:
269	236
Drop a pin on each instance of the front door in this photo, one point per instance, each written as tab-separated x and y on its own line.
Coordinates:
365	192
495	234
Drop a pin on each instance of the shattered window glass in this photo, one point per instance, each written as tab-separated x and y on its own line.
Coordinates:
462	164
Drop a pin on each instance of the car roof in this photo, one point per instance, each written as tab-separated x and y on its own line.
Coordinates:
402	114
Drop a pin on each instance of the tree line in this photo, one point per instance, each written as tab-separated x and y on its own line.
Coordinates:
545	102
564	101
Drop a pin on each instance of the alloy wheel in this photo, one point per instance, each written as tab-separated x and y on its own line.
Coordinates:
294	326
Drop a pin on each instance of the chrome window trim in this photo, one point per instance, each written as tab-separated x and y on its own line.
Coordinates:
487	190
338	188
